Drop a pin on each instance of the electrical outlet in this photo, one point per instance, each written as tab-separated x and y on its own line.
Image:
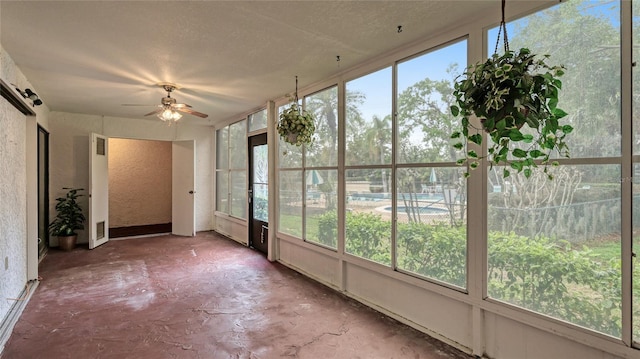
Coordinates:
6	263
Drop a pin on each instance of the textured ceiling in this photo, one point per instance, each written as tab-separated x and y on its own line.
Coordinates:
229	56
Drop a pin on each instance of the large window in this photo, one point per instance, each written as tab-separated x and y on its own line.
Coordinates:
554	247
309	175
430	188
425	87
222	170
231	169
290	183
368	173
258	121
417	183
636	172
321	169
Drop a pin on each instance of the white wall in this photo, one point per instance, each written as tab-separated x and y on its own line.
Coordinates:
233	228
70	153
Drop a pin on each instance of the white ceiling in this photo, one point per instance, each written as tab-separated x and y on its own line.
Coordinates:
229	57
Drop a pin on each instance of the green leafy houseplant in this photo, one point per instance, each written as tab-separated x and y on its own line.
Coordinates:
296	126
505	93
69	217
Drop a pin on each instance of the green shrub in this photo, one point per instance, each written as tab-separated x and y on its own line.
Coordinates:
327	229
368	236
438	252
541	275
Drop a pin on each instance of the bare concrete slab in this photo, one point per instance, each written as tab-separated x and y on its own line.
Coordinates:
199	297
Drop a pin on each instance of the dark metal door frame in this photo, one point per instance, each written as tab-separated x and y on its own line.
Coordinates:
43	191
258	205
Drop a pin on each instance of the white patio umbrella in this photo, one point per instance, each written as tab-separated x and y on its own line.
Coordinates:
314	178
432	177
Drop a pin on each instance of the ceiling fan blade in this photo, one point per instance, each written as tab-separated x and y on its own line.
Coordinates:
135	104
181	105
154	112
192	112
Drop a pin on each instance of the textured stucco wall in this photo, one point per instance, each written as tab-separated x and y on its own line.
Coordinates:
13	204
18	185
70	153
139	182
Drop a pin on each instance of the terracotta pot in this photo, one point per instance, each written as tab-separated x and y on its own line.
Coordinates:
67	243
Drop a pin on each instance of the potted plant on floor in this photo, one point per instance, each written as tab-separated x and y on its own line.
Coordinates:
507	92
296	126
69	218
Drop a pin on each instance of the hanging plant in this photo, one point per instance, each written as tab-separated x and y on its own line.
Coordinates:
296	126
505	93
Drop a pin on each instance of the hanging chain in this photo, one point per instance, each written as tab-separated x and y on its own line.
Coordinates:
297	90
502	29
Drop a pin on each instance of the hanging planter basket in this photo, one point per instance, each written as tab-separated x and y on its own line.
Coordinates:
296	126
292	137
509	93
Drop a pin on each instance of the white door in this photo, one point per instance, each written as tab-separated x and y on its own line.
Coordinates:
98	191
183	188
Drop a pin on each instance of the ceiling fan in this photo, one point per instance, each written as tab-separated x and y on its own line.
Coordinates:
168	108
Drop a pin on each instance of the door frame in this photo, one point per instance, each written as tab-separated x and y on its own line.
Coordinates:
256	229
43	198
173	171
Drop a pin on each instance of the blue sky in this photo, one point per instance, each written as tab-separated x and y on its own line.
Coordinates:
377	86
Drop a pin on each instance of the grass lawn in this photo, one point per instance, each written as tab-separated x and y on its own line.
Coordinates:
292	225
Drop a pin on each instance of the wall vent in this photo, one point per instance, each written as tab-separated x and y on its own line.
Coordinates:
101	146
15	99
100	230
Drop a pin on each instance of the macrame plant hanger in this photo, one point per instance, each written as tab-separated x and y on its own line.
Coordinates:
502	29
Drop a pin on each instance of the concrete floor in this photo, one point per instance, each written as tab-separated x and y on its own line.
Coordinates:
199	297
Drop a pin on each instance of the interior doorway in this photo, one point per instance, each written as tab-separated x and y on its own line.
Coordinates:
140	187
179	181
258	193
43	191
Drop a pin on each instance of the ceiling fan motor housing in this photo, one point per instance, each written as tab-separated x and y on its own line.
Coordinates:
168	101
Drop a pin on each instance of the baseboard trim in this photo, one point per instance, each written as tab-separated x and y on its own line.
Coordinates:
132	231
6	327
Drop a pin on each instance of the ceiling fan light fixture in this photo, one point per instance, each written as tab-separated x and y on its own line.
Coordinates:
169	114
165	115
169	109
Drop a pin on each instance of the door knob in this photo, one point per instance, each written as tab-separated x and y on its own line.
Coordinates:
192	192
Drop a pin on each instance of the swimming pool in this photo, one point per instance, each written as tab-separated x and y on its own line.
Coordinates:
421	210
383	196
